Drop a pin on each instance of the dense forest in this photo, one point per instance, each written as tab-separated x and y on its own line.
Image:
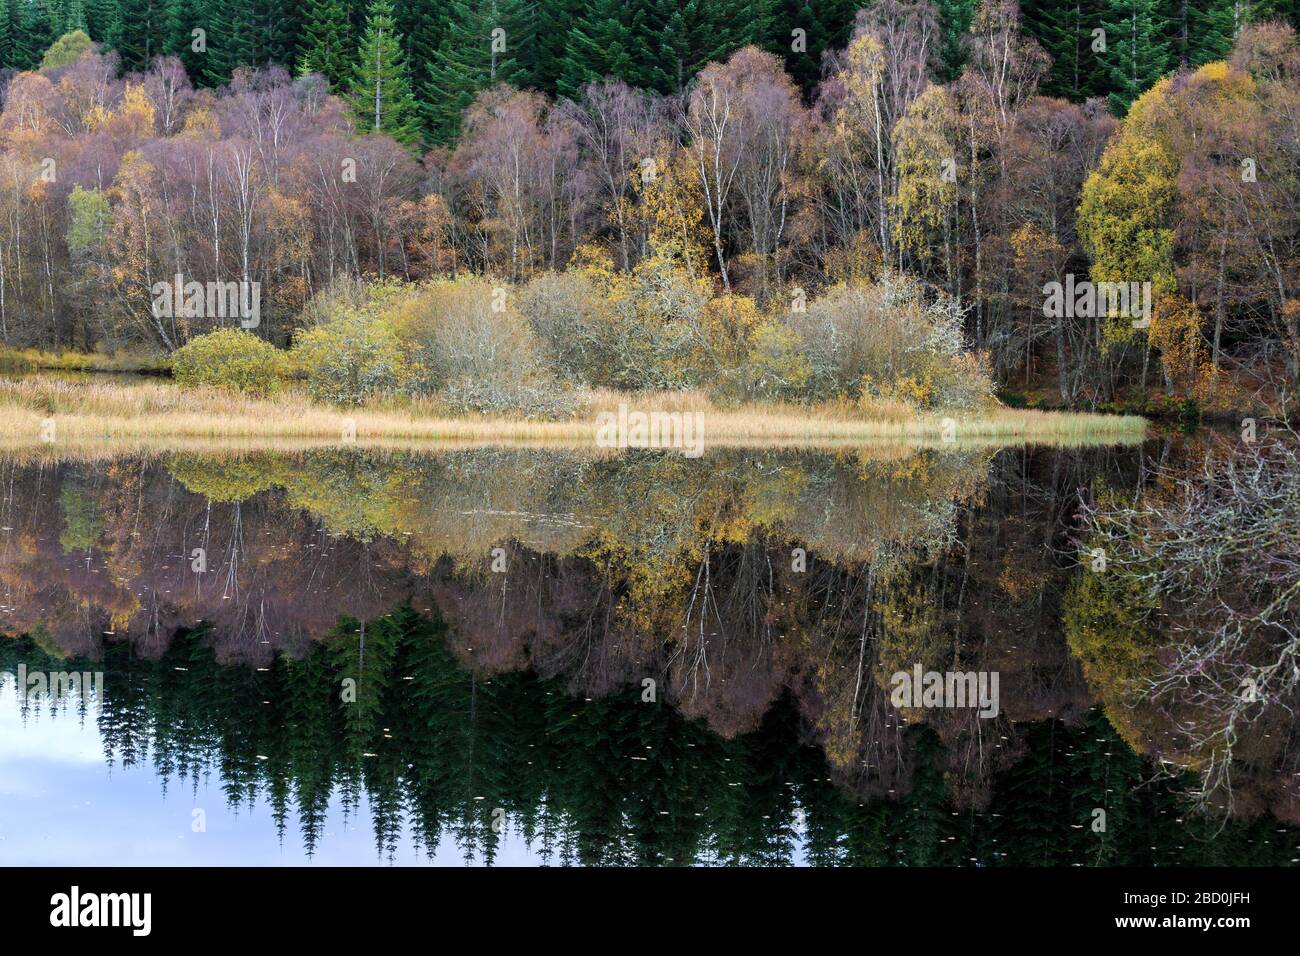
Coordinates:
716	165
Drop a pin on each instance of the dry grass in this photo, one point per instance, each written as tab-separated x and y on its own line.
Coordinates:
70	361
159	415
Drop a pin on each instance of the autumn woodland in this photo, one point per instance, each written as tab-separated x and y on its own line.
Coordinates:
316	318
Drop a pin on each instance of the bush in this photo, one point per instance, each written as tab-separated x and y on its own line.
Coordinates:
460	340
774	368
883	344
230	358
659	338
351	359
647	329
571	317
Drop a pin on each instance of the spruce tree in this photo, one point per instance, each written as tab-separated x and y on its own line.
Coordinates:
277	25
327	47
484	44
33	36
1138	50
555	20
230	30
420	24
6	37
182	21
603	42
690	34
144	25
1064	28
1213	29
826	25
104	21
380	92
955	18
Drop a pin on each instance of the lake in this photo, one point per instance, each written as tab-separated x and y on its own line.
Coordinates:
541	656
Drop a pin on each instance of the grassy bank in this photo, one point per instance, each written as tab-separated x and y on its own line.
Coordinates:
157	414
38	360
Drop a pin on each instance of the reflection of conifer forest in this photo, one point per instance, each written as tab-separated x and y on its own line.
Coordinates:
436	750
523	690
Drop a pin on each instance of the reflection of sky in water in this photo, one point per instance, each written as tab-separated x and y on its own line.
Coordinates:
61	805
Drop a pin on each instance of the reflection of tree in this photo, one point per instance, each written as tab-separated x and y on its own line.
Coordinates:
613	780
1193	627
619	569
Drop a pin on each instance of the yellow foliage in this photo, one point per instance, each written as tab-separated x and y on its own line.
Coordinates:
1176	332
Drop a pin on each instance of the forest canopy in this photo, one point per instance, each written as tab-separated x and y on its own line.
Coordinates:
759	156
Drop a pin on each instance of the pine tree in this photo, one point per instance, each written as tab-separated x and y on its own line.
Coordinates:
72	16
826	25
6	37
690	34
104	22
380	92
955	18
1065	28
144	25
555	20
421	25
327	46
1138	51
604	42
482	45
1213	29
230	29
277	25
182	20
33	36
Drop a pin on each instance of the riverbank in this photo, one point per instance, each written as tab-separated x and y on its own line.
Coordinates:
148	413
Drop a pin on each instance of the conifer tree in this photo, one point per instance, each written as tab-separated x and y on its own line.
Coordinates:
380	92
485	43
1213	28
230	31
277	25
604	41
104	21
183	20
144	24
826	25
326	46
1138	51
1065	28
6	37
955	18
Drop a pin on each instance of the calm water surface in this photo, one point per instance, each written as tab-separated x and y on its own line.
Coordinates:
545	657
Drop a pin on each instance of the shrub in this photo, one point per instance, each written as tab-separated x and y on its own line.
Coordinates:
461	330
458	339
349	360
659	338
572	319
774	368
230	358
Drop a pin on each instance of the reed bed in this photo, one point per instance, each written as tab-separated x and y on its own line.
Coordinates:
160	415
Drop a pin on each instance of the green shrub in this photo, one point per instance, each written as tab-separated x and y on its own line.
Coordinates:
774	369
230	358
350	360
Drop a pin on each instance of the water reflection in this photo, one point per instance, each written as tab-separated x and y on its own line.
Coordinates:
619	659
